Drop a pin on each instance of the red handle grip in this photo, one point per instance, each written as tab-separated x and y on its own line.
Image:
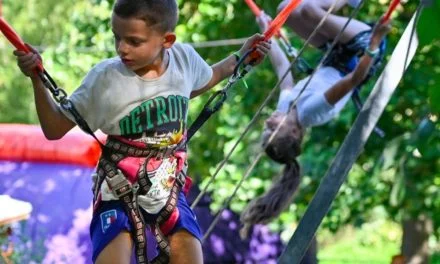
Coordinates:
277	23
15	40
391	8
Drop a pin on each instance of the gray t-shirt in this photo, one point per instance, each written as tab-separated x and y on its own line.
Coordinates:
115	100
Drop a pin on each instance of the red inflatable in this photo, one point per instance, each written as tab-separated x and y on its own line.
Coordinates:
27	143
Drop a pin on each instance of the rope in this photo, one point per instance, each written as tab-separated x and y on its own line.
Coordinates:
260	109
197	45
219	213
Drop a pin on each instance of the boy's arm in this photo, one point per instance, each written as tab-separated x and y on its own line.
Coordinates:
225	68
53	122
355	78
220	71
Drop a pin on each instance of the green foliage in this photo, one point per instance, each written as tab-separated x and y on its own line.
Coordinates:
428	20
398	171
352	245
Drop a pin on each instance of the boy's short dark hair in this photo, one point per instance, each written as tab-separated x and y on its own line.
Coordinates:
160	14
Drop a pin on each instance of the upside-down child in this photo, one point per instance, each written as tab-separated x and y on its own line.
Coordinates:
323	99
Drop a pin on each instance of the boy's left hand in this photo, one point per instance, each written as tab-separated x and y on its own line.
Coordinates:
261	48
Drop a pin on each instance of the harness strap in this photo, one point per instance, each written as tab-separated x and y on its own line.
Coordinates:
128	192
165	214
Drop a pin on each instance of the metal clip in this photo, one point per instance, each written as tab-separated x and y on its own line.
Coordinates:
181	179
119	185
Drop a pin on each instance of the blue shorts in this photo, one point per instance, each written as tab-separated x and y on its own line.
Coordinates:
110	219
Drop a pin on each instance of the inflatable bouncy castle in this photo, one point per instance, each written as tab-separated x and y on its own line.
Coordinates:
54	177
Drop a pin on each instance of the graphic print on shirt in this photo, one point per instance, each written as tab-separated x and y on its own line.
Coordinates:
160	121
161	173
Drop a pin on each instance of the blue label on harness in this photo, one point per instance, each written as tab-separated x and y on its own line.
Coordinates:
107	219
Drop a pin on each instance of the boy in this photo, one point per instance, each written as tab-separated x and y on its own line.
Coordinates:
326	95
140	99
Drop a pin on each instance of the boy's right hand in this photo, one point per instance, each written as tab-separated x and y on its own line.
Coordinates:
28	62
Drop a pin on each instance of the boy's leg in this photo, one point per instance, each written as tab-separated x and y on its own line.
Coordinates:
119	250
185	236
185	248
109	231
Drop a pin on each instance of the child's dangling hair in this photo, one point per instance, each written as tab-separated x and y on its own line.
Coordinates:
280	194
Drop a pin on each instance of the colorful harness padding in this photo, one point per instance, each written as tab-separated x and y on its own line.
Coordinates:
128	185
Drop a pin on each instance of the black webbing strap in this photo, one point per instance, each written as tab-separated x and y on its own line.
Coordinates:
207	111
219	97
60	97
127	193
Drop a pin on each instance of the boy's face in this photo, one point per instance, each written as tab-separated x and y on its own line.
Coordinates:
138	45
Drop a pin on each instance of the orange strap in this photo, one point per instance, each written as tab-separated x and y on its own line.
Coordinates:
257	12
391	8
280	19
277	23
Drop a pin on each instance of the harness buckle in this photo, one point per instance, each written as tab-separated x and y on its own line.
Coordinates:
119	185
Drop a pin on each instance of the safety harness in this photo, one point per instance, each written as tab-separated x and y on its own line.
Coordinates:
117	149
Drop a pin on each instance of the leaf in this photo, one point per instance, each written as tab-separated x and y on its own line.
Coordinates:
390	152
434	97
425	131
398	190
429	21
